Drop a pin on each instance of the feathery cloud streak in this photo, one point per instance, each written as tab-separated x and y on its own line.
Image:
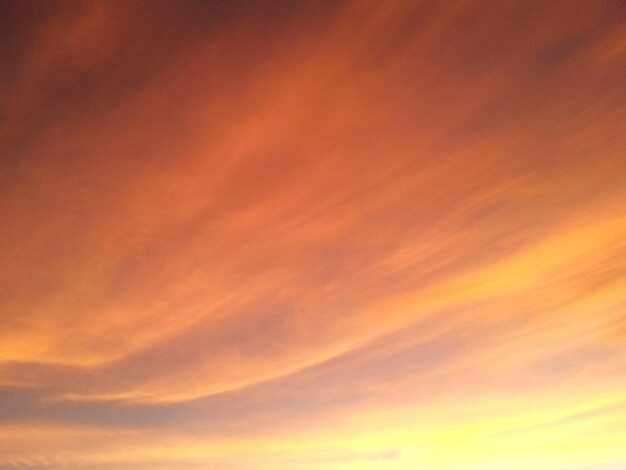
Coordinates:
312	235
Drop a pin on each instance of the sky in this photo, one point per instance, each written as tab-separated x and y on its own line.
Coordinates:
299	235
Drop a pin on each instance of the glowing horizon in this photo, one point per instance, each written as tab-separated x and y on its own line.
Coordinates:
313	235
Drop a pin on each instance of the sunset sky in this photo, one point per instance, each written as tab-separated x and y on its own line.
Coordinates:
301	235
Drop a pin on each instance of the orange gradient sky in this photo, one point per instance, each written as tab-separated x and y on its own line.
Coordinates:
293	235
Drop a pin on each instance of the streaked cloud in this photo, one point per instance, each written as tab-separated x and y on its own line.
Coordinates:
312	235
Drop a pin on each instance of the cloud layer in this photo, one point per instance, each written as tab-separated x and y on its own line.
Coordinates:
312	235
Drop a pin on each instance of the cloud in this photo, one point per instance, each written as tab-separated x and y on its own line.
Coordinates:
258	233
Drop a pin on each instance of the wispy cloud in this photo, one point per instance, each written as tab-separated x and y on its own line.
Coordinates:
312	235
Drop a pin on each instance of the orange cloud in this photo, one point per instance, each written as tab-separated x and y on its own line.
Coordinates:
350	235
